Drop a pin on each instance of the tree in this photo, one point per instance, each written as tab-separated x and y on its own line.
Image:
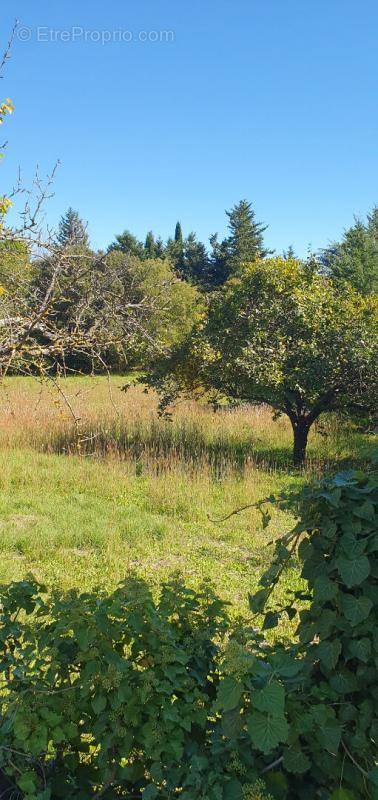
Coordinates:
219	266
159	248
289	253
355	259
58	300
196	261
127	243
279	333
178	233
244	244
246	240
72	230
150	245
168	307
175	250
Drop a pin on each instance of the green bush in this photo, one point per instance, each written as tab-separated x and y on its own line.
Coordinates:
312	707
127	696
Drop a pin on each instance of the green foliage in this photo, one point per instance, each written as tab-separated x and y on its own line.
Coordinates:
330	674
354	260
280	333
72	230
108	694
128	244
15	267
169	306
245	243
125	695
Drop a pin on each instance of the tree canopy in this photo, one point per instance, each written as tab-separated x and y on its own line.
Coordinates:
72	230
279	333
354	260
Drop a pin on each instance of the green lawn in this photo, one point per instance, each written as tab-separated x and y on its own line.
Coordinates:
74	522
144	492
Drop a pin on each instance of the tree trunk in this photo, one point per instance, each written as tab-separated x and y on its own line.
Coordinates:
300	430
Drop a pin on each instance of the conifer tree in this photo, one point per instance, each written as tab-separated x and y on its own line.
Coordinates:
355	259
127	243
246	240
289	253
175	250
196	261
159	248
150	245
72	230
178	233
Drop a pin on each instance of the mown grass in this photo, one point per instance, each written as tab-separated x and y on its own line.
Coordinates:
141	493
72	522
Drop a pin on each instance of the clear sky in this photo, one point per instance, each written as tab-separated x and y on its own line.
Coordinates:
273	100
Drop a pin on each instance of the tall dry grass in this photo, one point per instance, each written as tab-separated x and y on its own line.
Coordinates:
94	418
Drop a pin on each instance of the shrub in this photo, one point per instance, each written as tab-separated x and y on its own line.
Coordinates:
311	709
127	696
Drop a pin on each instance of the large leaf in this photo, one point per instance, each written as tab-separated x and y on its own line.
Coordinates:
267	731
232	723
233	790
270	699
330	735
324	588
359	648
365	511
356	609
229	694
353	571
99	703
296	761
328	653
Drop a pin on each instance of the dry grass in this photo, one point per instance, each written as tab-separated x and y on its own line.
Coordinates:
92	416
140	493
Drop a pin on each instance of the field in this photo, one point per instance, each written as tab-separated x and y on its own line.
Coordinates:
94	485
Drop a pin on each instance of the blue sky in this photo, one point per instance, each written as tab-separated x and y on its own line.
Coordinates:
273	100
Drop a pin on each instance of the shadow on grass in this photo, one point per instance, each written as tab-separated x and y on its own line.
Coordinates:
160	447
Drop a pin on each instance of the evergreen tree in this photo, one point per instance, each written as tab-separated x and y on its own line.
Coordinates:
127	243
289	253
219	266
355	259
175	250
159	248
246	241
72	230
244	244
150	246
178	233
196	261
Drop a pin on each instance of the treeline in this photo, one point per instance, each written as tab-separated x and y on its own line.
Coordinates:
353	259
236	323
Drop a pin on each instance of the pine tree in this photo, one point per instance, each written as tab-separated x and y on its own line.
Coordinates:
219	266
150	246
159	248
355	259
175	250
178	233
246	241
72	230
289	253
196	261
127	243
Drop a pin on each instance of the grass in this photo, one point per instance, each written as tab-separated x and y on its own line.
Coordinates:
141	493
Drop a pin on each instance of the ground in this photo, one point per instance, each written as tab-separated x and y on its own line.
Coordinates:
85	502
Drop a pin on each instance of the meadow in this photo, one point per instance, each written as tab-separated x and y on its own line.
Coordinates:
94	485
